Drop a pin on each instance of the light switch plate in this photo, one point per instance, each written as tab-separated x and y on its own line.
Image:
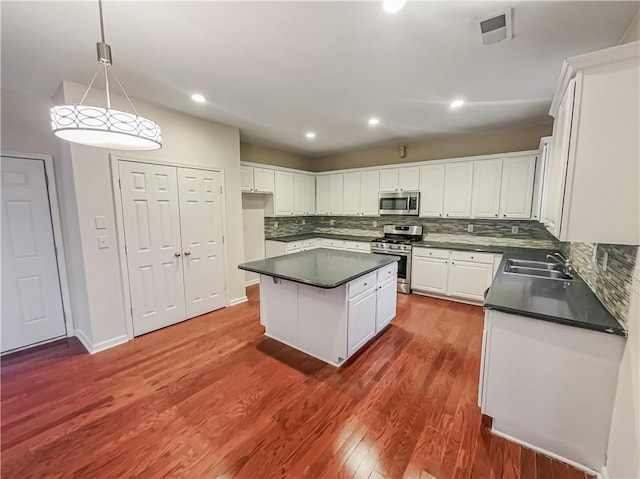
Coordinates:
101	222
514	230
103	242
470	228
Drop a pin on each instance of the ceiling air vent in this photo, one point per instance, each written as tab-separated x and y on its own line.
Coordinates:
496	27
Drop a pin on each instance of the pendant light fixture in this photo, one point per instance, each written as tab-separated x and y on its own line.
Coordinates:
105	127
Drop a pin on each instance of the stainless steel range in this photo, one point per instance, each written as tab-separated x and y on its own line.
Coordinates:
397	241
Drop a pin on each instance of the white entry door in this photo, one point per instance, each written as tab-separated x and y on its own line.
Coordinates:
31	300
202	240
153	244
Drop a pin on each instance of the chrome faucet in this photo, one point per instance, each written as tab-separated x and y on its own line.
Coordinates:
562	261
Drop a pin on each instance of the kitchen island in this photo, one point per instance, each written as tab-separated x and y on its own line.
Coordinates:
326	303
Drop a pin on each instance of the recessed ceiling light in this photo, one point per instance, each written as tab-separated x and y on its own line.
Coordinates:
457	103
373	121
197	97
311	135
393	6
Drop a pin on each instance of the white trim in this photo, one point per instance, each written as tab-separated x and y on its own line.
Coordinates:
589	60
493	156
604	473
101	346
54	208
545	452
235	301
33	345
252	282
119	223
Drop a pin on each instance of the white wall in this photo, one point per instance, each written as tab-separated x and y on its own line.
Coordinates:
253	223
623	452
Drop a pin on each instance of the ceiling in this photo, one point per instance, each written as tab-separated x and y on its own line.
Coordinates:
279	69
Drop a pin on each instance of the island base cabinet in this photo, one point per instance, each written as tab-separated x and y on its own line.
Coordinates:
550	386
322	323
386	303
362	319
279	308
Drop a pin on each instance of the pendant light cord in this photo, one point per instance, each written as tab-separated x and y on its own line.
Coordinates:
101	21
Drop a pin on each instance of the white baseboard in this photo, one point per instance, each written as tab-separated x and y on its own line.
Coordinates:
101	346
545	452
604	474
252	282
241	299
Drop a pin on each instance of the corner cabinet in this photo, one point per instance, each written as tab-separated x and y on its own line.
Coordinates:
593	188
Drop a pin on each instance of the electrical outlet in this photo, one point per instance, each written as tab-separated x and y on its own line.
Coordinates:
594	254
375	224
605	260
470	228
275	225
303	221
332	222
514	230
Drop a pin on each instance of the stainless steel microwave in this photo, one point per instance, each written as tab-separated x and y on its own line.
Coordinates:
402	203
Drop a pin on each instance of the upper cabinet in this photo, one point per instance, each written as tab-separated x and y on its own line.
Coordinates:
256	180
517	187
360	193
335	194
432	190
304	194
400	179
458	182
542	160
283	196
487	178
593	190
310	194
322	195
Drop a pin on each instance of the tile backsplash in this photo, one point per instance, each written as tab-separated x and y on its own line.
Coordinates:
611	284
358	225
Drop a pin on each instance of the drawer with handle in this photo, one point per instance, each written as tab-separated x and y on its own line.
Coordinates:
361	285
472	256
431	253
387	272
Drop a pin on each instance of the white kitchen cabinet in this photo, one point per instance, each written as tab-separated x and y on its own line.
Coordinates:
400	179
593	192
357	246
331	243
304	193
322	195
351	194
369	192
457	190
309	194
429	275
279	312
389	180
283	195
487	177
362	319
537	383
278	248
335	194
538	206
469	280
256	180
432	190
386	295
517	187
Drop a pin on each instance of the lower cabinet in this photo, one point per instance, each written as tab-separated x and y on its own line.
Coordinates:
362	319
460	275
386	302
279	248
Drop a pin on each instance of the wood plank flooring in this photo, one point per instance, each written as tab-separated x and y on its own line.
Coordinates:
212	397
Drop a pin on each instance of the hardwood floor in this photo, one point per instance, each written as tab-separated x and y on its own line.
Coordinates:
212	397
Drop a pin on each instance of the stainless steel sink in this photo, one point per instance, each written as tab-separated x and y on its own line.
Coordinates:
540	269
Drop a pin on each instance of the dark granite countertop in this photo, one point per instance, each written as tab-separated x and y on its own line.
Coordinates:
563	302
304	236
321	267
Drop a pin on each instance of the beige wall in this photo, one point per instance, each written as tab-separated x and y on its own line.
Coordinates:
633	32
454	146
270	156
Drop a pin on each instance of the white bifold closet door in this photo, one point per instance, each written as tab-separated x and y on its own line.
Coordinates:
31	301
173	236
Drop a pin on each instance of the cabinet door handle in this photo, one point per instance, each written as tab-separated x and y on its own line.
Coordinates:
453	262
187	253
177	254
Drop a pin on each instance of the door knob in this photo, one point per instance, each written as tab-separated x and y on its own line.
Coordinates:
177	254
187	253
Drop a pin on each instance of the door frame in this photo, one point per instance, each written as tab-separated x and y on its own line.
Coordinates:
114	160
54	210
